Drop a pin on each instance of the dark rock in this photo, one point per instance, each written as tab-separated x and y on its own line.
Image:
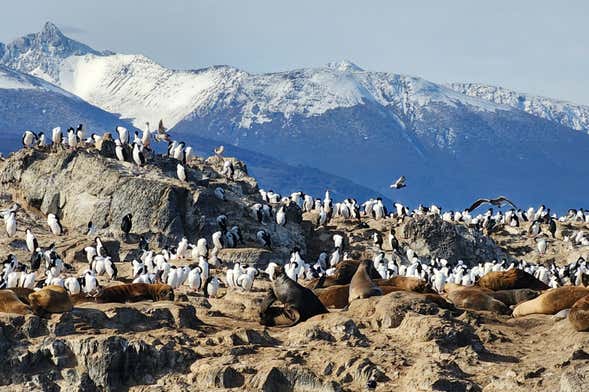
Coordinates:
431	237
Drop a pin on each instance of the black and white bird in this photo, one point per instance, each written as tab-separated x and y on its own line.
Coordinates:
138	156
31	241
56	136
123	134
400	183
498	202
181	172
54	224
81	133
264	239
127	224
121	151
10	221
28	139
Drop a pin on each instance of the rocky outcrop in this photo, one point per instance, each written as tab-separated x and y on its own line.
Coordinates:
90	185
430	237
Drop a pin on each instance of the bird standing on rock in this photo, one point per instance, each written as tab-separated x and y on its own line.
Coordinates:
126	225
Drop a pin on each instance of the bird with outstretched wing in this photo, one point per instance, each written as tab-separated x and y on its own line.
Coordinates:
498	202
400	183
162	132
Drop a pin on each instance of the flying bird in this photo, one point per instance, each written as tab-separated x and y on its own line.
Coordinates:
219	150
400	183
499	201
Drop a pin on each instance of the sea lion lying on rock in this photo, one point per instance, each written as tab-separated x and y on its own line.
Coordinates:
50	299
134	292
405	283
361	285
511	279
476	299
514	297
22	293
9	303
337	296
551	301
300	303
579	314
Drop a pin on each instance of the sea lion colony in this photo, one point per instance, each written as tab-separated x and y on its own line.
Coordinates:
46	284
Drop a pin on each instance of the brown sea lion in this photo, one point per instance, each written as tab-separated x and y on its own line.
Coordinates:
450	287
476	299
551	301
361	285
515	296
300	303
9	303
334	296
22	293
579	314
405	283
50	299
134	292
511	279
343	274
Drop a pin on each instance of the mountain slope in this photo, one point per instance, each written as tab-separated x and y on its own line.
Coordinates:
565	113
369	127
27	102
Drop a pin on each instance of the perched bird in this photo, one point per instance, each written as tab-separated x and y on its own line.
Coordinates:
127	225
123	134
180	172
54	224
11	224
28	139
121	152
162	133
31	241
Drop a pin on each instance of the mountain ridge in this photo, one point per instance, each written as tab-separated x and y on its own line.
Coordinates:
367	126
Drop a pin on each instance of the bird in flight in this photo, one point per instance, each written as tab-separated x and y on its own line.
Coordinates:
498	202
400	183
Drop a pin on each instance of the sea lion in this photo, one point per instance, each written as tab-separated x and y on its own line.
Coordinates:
579	314
343	274
50	299
361	285
300	303
476	299
515	296
405	283
334	296
337	296
511	279
9	303
22	293
551	301
134	292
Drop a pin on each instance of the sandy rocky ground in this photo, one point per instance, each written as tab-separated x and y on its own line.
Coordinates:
400	340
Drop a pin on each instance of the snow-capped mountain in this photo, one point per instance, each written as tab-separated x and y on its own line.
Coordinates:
566	113
41	54
453	143
28	102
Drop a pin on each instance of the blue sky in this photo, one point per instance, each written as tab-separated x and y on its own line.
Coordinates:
538	47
